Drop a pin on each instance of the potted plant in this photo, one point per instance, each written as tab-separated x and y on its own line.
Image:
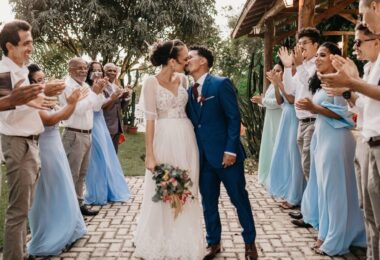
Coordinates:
129	119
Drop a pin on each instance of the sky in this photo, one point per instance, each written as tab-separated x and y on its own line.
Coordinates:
237	6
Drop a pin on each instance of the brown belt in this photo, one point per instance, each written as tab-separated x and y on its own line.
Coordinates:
308	120
79	130
374	141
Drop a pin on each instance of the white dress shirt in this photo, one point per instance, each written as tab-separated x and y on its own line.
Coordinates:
371	115
298	85
359	103
24	120
83	115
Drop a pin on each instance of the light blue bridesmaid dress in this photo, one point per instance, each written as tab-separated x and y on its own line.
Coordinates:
341	221
286	179
105	181
55	219
272	119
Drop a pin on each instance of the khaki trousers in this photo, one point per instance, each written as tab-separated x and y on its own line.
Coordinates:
23	166
304	134
371	202
77	147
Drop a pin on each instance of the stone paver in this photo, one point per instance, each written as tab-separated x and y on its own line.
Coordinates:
110	233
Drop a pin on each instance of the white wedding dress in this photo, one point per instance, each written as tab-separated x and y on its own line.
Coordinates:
158	234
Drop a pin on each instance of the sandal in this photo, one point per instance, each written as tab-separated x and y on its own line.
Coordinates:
319	251
286	205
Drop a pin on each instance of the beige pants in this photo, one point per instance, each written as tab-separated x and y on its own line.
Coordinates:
23	166
77	147
371	202
304	134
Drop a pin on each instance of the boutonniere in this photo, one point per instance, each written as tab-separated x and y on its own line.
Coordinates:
201	99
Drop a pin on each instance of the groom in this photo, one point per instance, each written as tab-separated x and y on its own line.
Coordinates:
214	112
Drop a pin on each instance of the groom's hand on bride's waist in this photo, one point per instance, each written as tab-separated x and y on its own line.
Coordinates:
228	160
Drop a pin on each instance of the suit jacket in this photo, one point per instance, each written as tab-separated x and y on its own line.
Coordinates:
113	114
216	121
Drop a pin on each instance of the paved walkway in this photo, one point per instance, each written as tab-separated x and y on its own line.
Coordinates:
110	232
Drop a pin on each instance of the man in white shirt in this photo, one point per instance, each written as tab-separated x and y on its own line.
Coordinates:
77	134
19	128
298	85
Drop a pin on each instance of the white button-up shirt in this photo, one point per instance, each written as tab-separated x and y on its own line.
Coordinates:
371	115
83	115
298	85
24	120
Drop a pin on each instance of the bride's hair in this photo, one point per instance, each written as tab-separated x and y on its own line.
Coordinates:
162	52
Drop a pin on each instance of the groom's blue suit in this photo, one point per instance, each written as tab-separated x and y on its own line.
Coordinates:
217	127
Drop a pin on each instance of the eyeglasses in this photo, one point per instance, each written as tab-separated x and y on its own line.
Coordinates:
358	42
304	42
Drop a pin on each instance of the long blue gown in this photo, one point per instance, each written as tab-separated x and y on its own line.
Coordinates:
271	122
105	181
341	221
286	179
55	219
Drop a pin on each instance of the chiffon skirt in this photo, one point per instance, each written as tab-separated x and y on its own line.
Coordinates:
159	235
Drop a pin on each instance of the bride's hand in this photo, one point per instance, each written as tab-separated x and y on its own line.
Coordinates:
150	163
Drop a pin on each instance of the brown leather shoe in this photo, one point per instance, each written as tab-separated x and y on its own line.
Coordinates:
251	252
212	251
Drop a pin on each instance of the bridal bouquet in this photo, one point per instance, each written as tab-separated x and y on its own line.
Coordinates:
172	186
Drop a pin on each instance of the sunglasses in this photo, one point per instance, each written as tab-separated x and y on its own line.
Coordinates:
359	42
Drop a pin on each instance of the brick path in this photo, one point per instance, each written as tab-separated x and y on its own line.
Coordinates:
110	232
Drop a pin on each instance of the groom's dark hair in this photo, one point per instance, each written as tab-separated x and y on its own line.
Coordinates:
205	53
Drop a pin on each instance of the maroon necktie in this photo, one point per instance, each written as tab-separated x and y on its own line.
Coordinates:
195	90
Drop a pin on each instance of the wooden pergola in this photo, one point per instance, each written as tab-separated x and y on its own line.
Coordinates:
268	19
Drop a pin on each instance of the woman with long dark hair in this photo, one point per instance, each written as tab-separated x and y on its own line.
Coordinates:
340	220
105	181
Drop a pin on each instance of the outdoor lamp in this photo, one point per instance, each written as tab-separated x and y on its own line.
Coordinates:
288	3
256	30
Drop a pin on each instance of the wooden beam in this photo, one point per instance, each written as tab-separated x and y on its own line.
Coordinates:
283	36
349	17
277	7
246	9
268	50
332	11
305	13
338	33
345	45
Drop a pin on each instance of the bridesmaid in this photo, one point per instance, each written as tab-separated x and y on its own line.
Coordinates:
341	221
105	181
271	121
55	218
286	179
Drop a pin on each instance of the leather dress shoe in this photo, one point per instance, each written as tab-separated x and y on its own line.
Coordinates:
212	251
251	252
88	212
301	223
295	215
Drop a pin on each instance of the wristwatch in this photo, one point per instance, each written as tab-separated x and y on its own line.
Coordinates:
346	94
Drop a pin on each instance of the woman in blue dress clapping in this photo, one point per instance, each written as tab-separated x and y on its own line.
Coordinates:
286	179
341	221
105	181
55	219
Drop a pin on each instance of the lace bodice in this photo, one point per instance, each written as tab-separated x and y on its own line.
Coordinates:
159	102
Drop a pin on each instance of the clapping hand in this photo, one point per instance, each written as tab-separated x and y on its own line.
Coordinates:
54	87
274	77
99	85
257	99
305	104
334	91
77	95
43	102
285	57
22	95
117	94
298	56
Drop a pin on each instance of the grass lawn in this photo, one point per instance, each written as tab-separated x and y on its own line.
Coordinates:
129	156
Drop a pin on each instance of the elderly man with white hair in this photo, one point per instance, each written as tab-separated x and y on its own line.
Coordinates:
112	109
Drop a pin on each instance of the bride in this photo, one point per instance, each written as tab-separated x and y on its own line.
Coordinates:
169	139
